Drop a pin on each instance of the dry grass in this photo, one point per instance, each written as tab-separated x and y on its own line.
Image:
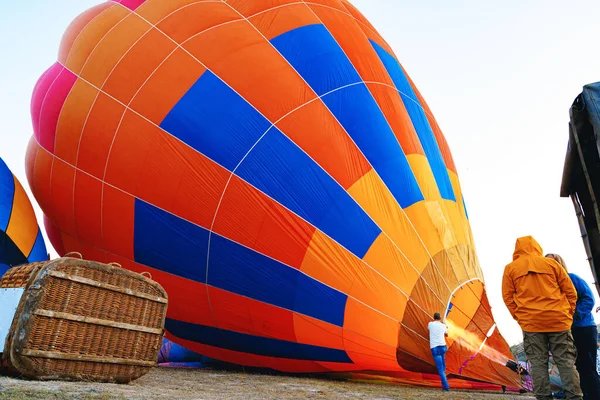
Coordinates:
165	383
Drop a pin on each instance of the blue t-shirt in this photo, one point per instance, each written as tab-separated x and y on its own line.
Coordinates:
585	303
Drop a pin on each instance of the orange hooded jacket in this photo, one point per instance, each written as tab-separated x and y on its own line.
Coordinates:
537	290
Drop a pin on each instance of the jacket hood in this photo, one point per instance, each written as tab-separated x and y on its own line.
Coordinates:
527	246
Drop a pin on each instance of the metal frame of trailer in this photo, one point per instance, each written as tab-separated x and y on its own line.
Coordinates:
581	176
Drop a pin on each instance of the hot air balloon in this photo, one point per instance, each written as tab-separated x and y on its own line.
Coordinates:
21	240
273	166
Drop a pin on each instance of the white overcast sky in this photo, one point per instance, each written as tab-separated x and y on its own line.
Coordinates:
499	76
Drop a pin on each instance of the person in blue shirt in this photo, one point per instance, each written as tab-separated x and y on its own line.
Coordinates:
585	335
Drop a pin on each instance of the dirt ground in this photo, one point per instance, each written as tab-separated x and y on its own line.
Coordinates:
168	383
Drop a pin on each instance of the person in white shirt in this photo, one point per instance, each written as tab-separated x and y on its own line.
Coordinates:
437	342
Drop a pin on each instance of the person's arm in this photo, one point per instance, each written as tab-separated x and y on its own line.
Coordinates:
585	297
508	293
446	331
566	286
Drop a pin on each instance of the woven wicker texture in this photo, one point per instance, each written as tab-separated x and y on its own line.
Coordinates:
17	277
86	320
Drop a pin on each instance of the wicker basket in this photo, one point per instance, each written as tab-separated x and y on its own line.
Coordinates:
83	320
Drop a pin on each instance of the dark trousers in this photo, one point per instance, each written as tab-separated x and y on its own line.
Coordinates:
586	344
564	354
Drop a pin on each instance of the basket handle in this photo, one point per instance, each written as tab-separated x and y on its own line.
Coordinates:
74	253
115	264
146	274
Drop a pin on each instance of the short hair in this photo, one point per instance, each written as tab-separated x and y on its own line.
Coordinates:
437	316
558	259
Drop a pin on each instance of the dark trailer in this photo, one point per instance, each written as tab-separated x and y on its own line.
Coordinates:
581	176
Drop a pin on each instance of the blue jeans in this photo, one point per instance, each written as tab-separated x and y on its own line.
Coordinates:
439	356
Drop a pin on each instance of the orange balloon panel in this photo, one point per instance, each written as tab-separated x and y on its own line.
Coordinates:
273	166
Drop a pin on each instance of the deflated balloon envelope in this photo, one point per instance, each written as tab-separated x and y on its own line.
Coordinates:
21	240
275	169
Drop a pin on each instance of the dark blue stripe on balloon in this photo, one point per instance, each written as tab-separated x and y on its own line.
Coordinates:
361	117
419	121
315	54
3	269
216	121
465	207
169	243
317	57
7	194
38	251
240	270
9	251
251	344
280	169
174	245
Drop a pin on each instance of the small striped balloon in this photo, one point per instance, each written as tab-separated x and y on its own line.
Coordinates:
21	240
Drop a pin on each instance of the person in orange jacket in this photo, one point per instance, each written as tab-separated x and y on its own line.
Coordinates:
541	298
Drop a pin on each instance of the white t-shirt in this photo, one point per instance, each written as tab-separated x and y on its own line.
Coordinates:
437	331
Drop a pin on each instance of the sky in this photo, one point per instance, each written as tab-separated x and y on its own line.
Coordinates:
499	77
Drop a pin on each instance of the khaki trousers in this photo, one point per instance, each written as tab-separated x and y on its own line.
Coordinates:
563	351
